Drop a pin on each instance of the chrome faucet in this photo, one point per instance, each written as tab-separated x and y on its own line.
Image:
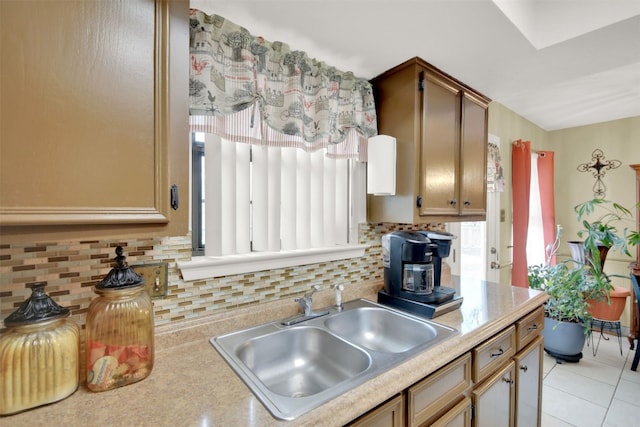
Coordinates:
305	302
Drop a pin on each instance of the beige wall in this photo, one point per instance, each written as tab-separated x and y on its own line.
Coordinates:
619	140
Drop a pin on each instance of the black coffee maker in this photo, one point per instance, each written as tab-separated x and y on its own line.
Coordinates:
412	263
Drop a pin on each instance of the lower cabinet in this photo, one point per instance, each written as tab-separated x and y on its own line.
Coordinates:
458	416
497	384
494	399
389	414
529	384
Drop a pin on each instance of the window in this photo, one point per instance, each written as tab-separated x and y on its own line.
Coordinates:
260	207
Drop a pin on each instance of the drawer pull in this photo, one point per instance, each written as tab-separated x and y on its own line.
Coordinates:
524	368
499	353
508	381
532	327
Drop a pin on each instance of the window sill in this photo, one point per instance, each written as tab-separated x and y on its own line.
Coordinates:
208	267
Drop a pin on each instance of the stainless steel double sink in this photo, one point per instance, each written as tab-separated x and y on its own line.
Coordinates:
293	369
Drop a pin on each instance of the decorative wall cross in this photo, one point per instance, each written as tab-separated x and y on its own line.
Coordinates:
599	166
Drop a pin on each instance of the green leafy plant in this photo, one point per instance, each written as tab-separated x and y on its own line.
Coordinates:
606	230
567	289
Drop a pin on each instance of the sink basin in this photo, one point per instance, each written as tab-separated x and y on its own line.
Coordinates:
380	329
302	361
295	368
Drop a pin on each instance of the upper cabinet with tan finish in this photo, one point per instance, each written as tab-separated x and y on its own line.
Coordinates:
94	115
440	126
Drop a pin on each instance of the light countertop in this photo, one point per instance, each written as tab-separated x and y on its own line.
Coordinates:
191	385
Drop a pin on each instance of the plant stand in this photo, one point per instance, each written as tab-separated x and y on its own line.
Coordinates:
604	324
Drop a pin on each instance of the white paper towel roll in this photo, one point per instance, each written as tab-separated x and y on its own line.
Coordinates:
381	165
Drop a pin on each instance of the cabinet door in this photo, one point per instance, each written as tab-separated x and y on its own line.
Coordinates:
85	112
473	167
458	416
529	384
389	414
439	157
494	399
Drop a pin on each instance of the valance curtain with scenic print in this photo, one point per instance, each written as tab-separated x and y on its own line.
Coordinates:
247	89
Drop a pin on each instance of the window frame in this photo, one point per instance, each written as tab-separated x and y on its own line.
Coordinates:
202	266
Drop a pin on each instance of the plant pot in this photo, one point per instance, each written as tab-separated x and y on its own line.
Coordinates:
603	310
578	255
563	340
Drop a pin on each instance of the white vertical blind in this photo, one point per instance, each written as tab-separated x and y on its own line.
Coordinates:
288	199
259	200
303	200
329	202
341	235
316	199
213	192
243	198
272	199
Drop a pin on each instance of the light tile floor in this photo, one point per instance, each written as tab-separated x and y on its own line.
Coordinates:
600	390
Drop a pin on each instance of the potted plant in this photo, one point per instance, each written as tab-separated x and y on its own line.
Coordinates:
601	235
567	318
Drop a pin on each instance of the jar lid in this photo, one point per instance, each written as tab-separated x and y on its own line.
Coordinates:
121	276
39	307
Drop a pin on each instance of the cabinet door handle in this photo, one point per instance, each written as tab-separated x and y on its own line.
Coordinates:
508	381
532	327
499	353
524	368
467	202
453	202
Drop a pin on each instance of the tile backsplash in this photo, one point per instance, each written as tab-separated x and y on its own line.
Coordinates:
71	269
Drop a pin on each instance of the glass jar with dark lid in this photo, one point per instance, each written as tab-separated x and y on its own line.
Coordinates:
119	340
39	354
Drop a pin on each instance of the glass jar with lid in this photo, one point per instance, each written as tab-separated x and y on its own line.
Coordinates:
39	354
119	340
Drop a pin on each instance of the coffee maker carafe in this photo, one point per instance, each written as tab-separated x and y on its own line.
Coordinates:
412	262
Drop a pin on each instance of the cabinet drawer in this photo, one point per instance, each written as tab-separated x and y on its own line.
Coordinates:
529	327
458	416
488	356
430	396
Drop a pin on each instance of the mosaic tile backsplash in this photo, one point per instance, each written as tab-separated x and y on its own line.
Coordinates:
71	269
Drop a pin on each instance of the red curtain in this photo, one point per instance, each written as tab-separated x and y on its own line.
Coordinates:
521	184
547	198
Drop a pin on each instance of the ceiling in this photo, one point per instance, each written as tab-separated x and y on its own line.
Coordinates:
557	63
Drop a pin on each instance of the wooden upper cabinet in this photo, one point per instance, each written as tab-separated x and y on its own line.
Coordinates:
473	156
440	146
440	126
94	123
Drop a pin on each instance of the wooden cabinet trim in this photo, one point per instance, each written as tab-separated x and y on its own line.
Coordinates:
462	408
458	372
389	414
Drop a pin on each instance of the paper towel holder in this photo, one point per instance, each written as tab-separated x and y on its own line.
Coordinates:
381	165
